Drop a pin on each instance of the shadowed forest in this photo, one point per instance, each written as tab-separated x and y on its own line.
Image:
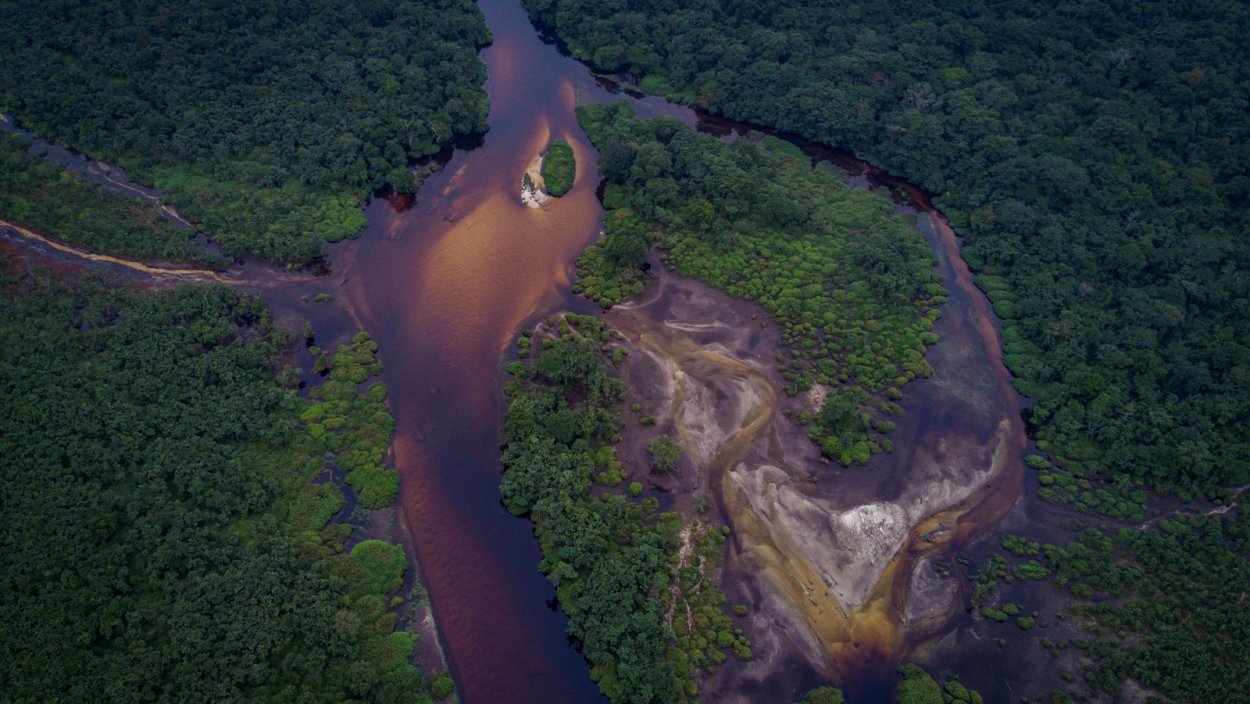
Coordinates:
162	541
266	123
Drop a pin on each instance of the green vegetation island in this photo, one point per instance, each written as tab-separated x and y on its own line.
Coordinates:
559	168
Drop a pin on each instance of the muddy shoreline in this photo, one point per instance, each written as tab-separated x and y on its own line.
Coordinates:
823	555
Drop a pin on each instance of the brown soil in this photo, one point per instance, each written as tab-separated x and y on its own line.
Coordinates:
818	552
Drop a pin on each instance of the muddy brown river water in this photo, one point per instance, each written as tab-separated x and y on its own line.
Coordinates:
445	285
829	558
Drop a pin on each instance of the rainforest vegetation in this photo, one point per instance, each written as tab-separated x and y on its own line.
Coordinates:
1095	155
266	122
647	625
44	197
919	687
355	426
1162	603
851	283
559	168
160	539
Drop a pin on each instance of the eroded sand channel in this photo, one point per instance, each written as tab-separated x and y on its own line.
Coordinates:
823	556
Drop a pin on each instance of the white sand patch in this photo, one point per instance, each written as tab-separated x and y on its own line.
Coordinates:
694	327
816	397
533	187
706	422
850	548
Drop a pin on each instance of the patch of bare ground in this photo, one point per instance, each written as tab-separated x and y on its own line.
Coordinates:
821	557
674	591
533	187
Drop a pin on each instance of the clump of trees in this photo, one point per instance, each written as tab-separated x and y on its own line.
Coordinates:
664	452
161	540
919	687
610	557
266	125
559	168
851	283
1083	490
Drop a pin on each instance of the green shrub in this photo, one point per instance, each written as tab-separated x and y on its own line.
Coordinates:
381	564
441	686
917	687
664	452
559	168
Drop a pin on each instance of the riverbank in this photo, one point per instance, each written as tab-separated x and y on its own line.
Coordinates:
296	298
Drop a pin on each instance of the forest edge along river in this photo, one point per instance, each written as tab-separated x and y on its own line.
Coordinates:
447	285
444	287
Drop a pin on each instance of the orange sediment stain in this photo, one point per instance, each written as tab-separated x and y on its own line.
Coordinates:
189	274
876	632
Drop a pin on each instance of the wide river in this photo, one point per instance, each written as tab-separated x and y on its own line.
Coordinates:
445	285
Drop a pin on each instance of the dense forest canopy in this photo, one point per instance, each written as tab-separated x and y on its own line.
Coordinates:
266	121
44	197
1095	154
159	539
